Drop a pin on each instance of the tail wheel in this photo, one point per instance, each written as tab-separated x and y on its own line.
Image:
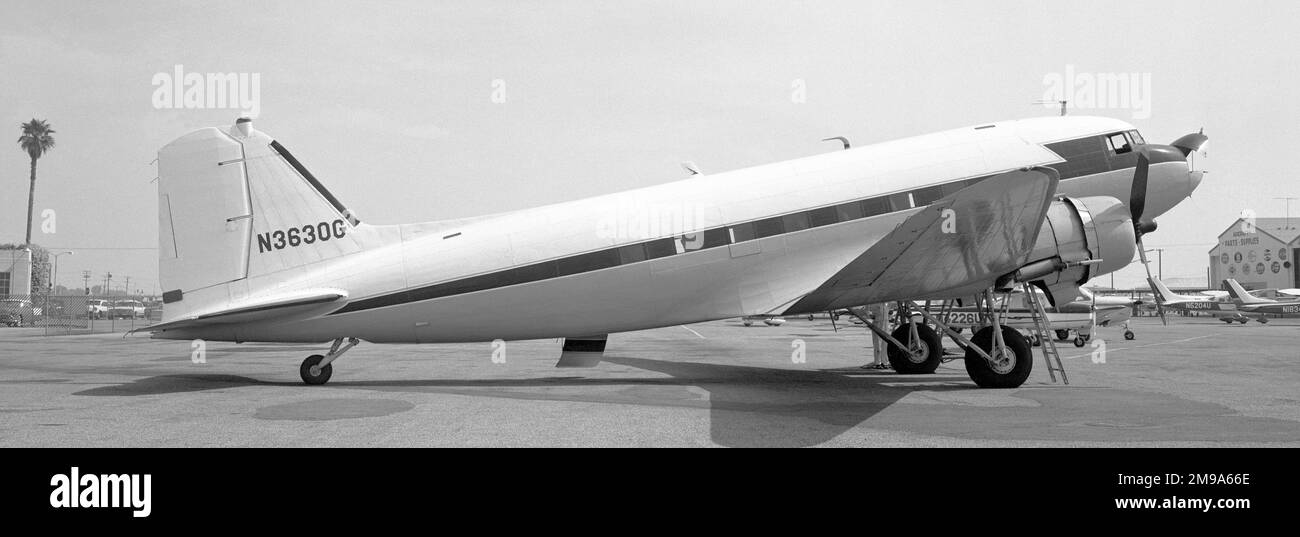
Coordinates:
922	356
1128	334
312	373
1009	368
1078	341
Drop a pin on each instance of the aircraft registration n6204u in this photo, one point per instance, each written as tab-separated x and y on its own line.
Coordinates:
254	248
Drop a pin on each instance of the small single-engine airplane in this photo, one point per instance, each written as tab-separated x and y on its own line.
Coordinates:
1209	304
1249	303
1077	316
254	248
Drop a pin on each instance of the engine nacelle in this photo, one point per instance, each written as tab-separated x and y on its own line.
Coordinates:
1081	238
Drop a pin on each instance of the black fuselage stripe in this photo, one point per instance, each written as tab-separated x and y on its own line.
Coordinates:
710	238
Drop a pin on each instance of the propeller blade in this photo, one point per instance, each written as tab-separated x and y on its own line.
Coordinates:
1137	200
1160	309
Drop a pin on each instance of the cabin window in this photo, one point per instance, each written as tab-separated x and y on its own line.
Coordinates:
1137	138
824	216
795	222
660	248
716	237
900	201
631	253
742	232
768	227
928	195
1119	143
875	206
850	211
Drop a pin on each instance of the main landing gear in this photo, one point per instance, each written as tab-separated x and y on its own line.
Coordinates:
316	369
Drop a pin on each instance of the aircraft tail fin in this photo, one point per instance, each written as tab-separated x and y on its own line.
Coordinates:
234	204
1240	293
1162	293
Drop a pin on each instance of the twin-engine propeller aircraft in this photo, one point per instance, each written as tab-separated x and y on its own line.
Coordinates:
1249	303
254	248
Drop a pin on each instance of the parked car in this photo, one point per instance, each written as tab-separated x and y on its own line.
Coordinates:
127	309
16	312
97	309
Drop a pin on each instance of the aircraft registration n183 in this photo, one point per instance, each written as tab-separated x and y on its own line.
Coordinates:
252	247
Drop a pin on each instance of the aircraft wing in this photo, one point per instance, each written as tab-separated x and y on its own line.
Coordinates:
989	232
275	307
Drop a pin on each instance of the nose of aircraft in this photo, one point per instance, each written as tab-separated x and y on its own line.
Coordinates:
1171	174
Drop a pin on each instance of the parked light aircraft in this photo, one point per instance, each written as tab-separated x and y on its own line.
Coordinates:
1077	316
254	248
1219	307
1249	303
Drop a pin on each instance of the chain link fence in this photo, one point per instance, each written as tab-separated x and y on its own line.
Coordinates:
79	314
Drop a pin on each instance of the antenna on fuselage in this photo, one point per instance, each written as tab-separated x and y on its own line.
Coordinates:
842	140
1063	104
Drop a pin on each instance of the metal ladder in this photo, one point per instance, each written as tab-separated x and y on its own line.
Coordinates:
1044	331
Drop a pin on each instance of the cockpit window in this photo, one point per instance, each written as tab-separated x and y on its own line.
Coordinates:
1118	143
1137	138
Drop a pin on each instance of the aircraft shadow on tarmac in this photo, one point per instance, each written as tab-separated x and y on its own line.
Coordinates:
749	406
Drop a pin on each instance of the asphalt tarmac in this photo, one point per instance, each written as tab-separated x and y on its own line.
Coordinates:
1196	382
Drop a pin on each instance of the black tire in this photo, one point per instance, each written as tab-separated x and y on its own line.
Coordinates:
1008	375
1262	320
931	346
1062	335
322	377
1129	335
1243	321
1078	341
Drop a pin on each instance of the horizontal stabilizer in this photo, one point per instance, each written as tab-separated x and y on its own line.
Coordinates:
268	308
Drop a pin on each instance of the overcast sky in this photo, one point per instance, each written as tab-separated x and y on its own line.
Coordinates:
391	104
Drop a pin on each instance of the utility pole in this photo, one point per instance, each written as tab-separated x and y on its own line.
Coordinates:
1288	210
54	272
108	282
85	280
1160	262
126	287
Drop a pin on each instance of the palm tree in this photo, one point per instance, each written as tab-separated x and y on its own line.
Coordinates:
37	138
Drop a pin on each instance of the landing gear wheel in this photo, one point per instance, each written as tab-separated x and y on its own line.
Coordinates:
928	350
312	373
1062	335
1262	320
1007	370
1128	334
1078	341
1243	321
